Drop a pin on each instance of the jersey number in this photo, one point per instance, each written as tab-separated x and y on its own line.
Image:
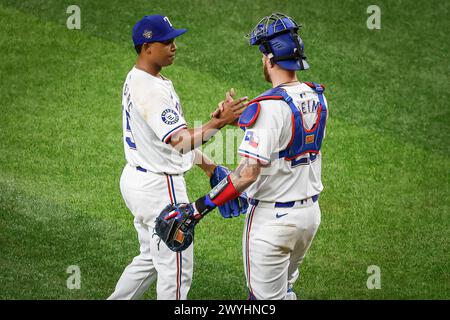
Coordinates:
129	140
304	161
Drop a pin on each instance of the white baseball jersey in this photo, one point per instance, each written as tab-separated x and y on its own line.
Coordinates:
283	181
152	114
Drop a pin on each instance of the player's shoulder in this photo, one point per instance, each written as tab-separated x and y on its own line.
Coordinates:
144	85
305	88
317	90
137	76
265	108
313	87
316	86
308	91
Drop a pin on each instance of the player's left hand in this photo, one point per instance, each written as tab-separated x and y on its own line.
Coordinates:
234	207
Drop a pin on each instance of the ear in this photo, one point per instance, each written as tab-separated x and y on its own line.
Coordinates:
268	61
147	47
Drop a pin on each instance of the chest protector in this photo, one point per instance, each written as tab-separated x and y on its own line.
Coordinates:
302	140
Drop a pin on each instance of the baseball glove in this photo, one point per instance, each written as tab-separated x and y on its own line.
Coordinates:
175	226
234	207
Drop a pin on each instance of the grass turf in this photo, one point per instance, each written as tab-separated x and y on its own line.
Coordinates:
386	156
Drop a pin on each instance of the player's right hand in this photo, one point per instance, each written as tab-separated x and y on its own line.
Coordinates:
229	96
230	110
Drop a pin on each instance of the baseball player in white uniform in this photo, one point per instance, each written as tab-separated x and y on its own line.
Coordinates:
284	131
281	169
158	149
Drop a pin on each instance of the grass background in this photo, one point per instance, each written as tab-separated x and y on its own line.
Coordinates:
386	156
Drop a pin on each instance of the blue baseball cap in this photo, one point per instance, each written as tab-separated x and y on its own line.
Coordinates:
154	28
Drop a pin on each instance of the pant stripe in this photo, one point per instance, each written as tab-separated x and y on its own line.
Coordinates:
247	251
173	190
181	268
177	295
173	200
169	189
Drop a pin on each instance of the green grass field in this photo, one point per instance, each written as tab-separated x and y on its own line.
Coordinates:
386	156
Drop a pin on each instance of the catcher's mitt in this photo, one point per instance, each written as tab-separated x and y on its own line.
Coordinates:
175	226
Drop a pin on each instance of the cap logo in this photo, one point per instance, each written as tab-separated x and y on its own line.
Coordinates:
147	34
168	21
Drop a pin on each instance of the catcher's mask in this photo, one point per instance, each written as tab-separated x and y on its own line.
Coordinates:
277	38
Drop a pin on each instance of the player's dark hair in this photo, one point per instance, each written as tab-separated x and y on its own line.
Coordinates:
138	48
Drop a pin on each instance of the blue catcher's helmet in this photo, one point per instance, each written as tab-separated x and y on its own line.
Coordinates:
277	38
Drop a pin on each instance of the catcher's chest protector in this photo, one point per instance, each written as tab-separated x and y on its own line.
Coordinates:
303	140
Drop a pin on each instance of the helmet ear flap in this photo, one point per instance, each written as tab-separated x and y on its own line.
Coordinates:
266	49
299	44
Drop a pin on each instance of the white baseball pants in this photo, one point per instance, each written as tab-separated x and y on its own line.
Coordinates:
146	194
275	241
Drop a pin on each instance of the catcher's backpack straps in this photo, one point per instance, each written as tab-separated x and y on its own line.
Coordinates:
306	140
302	140
251	113
319	89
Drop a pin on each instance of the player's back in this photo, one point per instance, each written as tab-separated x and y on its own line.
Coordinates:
283	180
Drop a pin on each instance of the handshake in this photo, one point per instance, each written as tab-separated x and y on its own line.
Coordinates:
176	222
229	110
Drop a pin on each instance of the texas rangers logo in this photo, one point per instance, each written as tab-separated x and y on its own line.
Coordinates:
169	116
147	34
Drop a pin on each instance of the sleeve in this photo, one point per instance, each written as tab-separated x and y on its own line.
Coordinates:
161	113
261	140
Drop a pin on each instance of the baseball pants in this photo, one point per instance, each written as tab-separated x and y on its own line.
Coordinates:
275	241
145	195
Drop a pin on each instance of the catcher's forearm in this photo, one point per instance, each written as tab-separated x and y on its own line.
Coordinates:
231	187
245	174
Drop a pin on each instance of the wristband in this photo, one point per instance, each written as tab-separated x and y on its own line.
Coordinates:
223	192
219	195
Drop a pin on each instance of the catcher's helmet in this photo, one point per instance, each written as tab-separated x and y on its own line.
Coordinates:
277	38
